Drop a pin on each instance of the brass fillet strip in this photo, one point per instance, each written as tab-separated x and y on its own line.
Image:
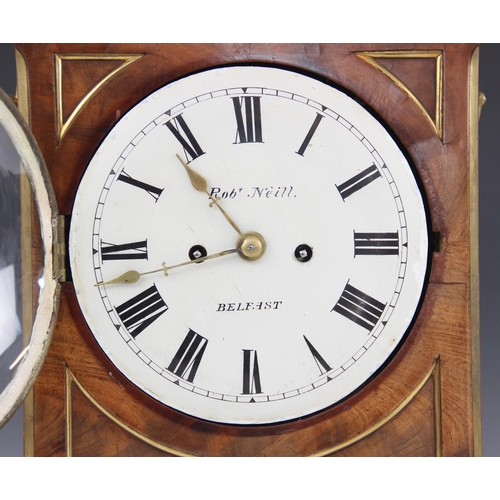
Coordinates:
433	371
416	54
69	412
474	104
71	379
437	410
62	126
27	287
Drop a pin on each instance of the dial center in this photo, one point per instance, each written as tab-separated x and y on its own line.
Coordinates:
251	246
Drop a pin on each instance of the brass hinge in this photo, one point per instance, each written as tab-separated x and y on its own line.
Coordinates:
60	249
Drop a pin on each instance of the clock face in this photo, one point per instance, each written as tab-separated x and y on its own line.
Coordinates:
278	240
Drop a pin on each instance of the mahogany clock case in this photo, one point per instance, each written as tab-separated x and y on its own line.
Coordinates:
425	393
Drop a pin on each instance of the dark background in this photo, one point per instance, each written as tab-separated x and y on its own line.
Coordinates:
11	441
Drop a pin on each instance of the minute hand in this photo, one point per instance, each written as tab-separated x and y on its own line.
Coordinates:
130	277
200	184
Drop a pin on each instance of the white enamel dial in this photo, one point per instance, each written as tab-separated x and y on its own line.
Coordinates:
323	219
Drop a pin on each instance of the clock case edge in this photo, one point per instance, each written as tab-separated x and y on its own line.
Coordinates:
473	267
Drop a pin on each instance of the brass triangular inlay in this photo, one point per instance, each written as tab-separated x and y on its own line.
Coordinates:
113	64
72	380
423	69
434	373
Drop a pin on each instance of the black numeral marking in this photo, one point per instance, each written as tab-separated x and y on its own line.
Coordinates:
358	181
251	375
126	251
359	307
188	357
140	311
309	135
376	243
322	364
249	126
151	190
183	134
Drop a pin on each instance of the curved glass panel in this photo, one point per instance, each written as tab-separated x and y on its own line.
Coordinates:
11	341
29	292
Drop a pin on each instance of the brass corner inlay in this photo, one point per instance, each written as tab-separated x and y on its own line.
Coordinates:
434	372
63	125
70	380
371	57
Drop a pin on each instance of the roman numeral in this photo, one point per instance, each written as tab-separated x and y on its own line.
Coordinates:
140	311
251	375
358	181
322	364
309	134
376	243
359	307
188	357
151	190
126	251
183	134
249	127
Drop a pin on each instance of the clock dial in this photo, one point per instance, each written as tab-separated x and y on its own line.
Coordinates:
277	238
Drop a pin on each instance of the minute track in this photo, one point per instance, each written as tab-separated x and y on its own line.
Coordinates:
304	352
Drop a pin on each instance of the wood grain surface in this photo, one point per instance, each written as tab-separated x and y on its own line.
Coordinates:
421	404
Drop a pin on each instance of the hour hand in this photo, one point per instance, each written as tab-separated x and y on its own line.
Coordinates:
200	184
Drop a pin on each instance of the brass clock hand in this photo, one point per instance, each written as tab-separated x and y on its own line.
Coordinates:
250	246
200	184
132	276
